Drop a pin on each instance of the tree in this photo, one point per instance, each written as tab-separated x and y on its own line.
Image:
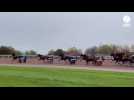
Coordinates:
132	48
6	50
51	52
74	51
91	51
30	52
114	48
126	48
17	52
108	49
105	49
79	51
59	52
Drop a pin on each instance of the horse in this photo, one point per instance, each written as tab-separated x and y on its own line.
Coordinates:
14	56
103	59
44	57
50	59
71	59
19	58
116	57
132	59
88	59
120	57
25	59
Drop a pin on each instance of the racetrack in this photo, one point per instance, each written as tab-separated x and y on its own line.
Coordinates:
107	65
82	67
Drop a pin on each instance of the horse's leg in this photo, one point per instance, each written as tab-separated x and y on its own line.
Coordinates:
70	62
59	61
51	61
65	62
116	62
19	61
87	62
93	62
123	62
130	62
44	60
119	62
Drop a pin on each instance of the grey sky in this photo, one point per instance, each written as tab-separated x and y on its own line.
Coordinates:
43	31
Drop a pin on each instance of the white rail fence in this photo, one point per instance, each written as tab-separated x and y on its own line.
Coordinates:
9	56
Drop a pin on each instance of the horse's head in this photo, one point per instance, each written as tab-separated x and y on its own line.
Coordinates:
13	54
112	54
39	56
81	56
62	56
84	57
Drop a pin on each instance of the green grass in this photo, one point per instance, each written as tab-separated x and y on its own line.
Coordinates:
57	77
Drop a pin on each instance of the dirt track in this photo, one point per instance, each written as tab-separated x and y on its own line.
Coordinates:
107	66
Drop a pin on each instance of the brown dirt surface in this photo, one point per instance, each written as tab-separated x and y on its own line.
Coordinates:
107	65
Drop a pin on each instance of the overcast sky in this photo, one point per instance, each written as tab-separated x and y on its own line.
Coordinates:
43	31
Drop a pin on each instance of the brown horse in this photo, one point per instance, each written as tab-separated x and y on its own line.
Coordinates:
18	58
122	57
88	59
71	59
44	57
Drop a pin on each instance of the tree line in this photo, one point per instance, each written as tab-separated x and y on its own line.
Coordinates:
104	49
7	50
107	49
72	51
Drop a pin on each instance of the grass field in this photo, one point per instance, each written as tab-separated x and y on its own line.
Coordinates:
57	77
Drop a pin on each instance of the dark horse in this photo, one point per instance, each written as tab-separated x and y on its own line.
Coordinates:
120	57
88	59
43	58
71	59
16	58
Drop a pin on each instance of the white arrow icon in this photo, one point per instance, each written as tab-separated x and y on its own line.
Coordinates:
126	19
